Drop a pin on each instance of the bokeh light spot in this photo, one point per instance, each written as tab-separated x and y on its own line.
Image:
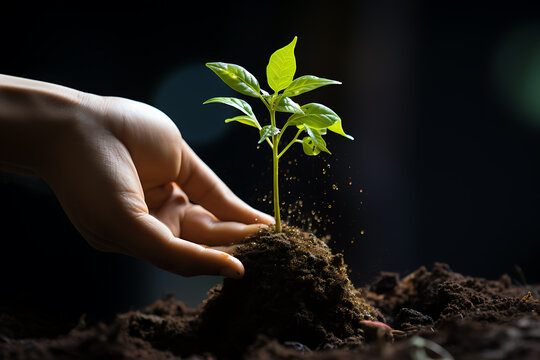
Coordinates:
517	72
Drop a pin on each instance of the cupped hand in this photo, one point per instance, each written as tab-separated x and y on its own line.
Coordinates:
130	184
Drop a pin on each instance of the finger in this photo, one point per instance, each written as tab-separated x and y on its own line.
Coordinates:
204	187
196	224
199	225
229	249
153	242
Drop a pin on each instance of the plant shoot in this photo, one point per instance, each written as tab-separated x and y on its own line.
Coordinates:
311	120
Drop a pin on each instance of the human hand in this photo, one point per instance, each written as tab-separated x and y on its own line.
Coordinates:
125	178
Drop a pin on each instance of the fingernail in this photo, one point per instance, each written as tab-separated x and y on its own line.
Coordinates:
230	273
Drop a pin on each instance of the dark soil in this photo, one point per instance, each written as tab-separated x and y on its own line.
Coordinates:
296	302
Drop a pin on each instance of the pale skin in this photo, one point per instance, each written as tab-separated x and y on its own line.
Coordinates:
125	177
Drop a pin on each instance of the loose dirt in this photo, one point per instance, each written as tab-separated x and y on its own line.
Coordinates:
297	302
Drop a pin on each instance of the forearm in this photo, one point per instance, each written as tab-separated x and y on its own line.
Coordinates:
33	117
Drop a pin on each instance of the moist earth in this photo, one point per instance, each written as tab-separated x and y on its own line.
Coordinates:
296	302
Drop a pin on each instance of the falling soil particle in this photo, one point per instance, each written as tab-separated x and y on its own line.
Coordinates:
296	302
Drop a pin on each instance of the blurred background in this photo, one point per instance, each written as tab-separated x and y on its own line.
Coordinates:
443	100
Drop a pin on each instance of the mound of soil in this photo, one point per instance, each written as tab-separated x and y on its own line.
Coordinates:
294	289
296	302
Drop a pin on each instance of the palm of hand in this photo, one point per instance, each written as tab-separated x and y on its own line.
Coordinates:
125	182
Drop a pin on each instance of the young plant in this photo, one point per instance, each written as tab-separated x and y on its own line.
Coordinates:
312	119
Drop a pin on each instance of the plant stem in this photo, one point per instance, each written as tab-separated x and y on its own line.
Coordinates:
290	144
275	159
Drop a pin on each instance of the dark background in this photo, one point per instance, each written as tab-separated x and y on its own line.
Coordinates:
443	99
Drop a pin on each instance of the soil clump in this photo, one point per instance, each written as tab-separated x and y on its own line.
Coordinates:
294	289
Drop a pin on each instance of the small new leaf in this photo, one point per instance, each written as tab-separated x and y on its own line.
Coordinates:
238	78
307	83
234	102
309	147
318	141
244	119
267	131
281	67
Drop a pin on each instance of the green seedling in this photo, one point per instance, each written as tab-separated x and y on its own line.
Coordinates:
312	119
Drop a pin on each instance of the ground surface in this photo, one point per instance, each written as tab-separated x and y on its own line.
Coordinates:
296	302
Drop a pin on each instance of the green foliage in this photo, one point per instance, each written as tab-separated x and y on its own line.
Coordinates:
313	119
237	78
281	67
307	83
316	116
287	105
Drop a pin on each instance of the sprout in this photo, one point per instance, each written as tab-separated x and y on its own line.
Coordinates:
311	120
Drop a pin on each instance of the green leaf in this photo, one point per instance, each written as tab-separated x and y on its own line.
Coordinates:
234	102
289	106
281	67
338	129
237	78
267	131
247	120
316	136
307	83
309	146
316	116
